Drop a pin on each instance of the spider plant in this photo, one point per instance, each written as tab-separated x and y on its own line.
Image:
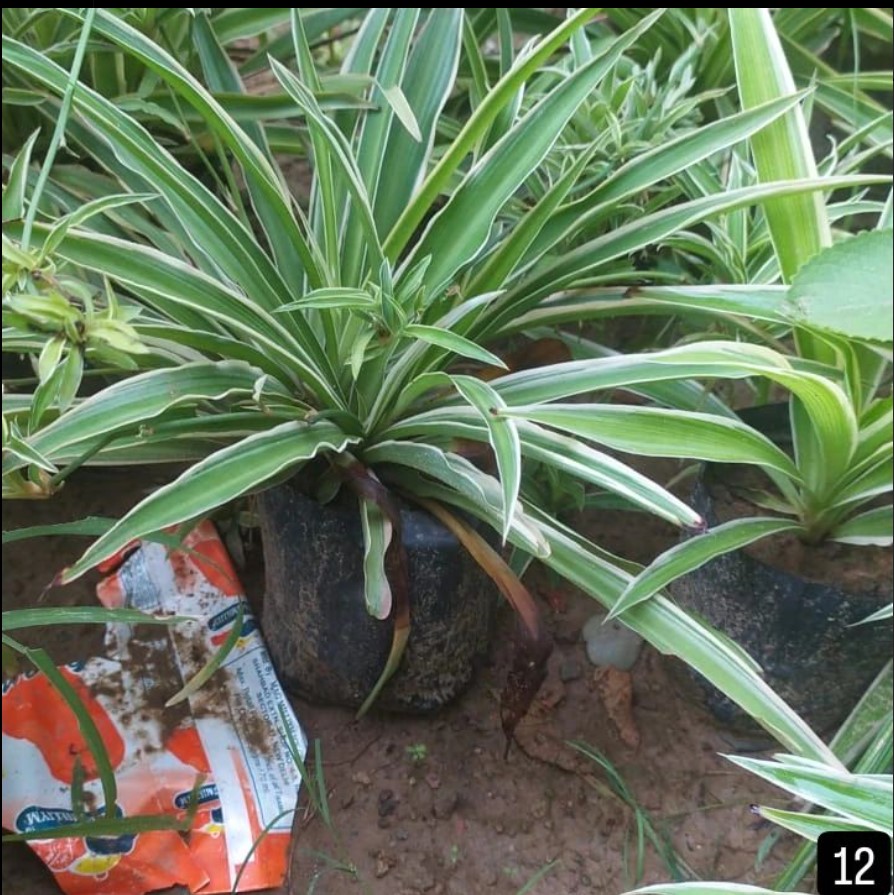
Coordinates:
832	315
358	330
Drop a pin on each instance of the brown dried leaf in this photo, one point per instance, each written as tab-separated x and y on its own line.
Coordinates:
616	689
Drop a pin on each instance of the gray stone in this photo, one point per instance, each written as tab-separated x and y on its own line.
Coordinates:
612	643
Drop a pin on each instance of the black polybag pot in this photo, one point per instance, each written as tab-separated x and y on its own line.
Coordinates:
795	628
325	645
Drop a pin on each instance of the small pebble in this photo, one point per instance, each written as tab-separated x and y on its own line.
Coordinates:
611	644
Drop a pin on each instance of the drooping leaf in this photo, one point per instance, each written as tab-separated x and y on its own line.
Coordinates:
533	645
694	553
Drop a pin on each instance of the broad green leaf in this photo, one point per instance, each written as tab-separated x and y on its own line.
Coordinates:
503	436
221	477
377	534
848	288
694	553
453	342
659	432
874	527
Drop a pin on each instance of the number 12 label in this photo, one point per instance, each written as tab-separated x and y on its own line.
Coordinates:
853	863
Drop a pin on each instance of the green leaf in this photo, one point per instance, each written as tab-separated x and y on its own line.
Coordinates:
426	84
884	613
847	289
457	344
466	220
503	436
49	357
863	798
694	553
334	298
810	826
659	432
377	533
334	149
799	225
582	462
174	285
14	188
395	98
475	127
139	399
647	169
582	261
16	619
515	248
97	206
271	199
830	413
207	670
90	526
875	527
221	477
86	724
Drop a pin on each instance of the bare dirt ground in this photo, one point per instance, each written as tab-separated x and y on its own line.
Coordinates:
430	805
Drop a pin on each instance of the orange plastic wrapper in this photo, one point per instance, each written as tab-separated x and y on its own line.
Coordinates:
225	751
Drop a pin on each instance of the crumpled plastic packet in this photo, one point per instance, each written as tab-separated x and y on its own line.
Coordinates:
225	750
